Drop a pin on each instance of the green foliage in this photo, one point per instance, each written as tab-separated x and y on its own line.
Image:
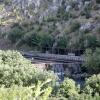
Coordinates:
75	25
15	69
15	34
98	1
91	41
80	42
93	59
31	39
6	2
46	40
69	91
92	85
36	92
31	21
42	76
68	88
87	11
41	91
51	19
98	29
84	96
62	14
1	7
63	42
37	40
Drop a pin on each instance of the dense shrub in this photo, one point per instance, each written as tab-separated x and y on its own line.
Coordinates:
92	85
6	2
36	40
15	34
36	92
15	69
32	39
46	40
75	25
68	88
91	41
63	42
92	59
69	91
84	96
98	1
87	11
62	14
98	29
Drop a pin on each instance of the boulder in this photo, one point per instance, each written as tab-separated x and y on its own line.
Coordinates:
87	26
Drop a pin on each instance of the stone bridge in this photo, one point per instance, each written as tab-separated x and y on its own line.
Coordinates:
46	57
61	65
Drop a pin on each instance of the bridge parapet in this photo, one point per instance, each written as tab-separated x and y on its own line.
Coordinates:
46	56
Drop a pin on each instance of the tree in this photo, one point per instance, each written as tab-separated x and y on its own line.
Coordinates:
92	59
32	39
62	42
98	1
68	88
92	85
46	40
91	42
15	34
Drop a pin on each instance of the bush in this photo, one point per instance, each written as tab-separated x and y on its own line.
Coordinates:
15	34
92	59
92	85
98	1
75	25
63	42
6	2
87	11
62	14
46	40
91	41
84	96
69	91
36	92
15	69
37	40
32	39
68	88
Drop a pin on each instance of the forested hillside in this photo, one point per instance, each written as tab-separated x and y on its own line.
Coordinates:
61	23
49	26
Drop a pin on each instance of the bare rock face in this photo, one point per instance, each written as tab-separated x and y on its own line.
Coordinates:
42	8
29	8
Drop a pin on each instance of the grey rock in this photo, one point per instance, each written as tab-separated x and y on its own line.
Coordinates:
86	26
68	8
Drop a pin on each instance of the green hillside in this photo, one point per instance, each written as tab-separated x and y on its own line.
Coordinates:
61	23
